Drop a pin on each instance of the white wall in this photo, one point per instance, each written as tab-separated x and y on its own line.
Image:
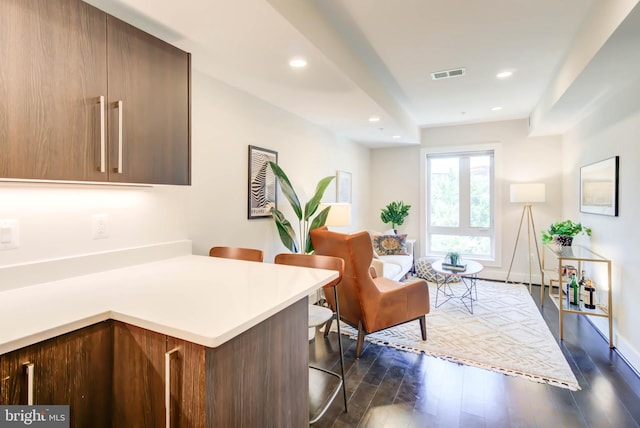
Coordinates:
612	130
56	219
225	122
396	175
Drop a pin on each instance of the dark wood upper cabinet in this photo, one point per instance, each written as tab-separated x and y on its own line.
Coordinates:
148	107
88	97
53	71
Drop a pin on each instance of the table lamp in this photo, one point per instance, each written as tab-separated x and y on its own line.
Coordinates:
339	214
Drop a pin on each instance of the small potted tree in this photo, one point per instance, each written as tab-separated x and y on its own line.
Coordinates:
563	232
395	213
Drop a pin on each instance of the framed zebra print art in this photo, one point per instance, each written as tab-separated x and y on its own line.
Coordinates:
262	183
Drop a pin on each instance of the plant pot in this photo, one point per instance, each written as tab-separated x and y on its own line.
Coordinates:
562	240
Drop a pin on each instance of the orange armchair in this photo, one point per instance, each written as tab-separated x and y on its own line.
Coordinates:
367	303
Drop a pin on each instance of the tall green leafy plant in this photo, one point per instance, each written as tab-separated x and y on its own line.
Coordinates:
305	222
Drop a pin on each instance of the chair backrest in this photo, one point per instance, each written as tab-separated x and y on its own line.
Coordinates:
248	254
313	261
357	285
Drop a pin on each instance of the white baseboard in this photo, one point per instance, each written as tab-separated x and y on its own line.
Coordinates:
26	274
628	352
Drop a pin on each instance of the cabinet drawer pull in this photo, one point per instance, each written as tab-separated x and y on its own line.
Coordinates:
120	154
167	385
103	143
29	373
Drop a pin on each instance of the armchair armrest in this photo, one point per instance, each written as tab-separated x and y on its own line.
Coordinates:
411	246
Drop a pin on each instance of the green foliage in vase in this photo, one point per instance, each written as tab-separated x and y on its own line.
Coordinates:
395	213
305	222
452	257
566	228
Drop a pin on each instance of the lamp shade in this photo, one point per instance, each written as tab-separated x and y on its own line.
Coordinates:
339	214
527	192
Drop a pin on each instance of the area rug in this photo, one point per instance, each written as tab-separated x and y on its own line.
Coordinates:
506	334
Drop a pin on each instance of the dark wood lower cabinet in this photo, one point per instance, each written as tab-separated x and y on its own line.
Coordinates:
187	383
73	369
261	377
113	374
138	377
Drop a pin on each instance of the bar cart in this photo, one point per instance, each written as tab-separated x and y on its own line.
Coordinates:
583	257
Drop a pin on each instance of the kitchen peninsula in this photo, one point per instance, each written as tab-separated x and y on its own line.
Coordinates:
194	340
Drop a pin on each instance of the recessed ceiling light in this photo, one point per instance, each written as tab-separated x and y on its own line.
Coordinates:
396	137
374	119
504	74
496	108
298	62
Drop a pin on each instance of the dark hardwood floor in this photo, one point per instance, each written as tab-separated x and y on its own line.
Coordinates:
395	389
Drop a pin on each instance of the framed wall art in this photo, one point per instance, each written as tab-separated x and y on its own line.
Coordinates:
263	191
343	186
599	187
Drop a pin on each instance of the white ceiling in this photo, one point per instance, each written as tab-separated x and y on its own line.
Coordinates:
374	57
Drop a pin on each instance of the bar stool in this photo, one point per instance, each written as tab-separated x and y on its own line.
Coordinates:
248	254
319	315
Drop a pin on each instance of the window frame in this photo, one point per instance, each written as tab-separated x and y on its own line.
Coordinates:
494	260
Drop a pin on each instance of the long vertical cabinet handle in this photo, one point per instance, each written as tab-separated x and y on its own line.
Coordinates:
120	154
29	372
168	356
103	142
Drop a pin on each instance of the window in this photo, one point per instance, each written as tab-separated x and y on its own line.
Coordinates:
460	200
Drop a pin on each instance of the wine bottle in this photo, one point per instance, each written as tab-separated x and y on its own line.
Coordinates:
574	298
582	286
590	304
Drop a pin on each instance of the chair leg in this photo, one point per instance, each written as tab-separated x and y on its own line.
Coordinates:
360	342
327	327
423	327
342	379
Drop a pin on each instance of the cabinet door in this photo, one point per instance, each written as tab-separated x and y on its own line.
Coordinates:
88	365
148	107
73	369
52	74
187	383
138	377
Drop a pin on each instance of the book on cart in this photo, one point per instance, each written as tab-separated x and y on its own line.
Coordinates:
454	268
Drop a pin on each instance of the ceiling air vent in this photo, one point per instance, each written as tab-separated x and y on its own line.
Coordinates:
447	74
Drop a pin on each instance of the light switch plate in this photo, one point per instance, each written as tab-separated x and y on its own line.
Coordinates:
9	234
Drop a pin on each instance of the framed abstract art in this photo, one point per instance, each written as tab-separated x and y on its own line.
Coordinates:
262	190
599	187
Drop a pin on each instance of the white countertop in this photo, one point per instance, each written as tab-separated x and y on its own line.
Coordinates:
205	300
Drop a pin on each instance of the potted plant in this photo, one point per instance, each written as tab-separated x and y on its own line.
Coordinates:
305	223
395	213
562	232
453	257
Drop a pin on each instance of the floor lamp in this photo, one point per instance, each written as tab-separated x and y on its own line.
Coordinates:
527	193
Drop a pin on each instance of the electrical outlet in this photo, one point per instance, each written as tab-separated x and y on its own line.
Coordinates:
100	227
9	234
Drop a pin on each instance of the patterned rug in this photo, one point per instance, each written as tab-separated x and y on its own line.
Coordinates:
506	334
